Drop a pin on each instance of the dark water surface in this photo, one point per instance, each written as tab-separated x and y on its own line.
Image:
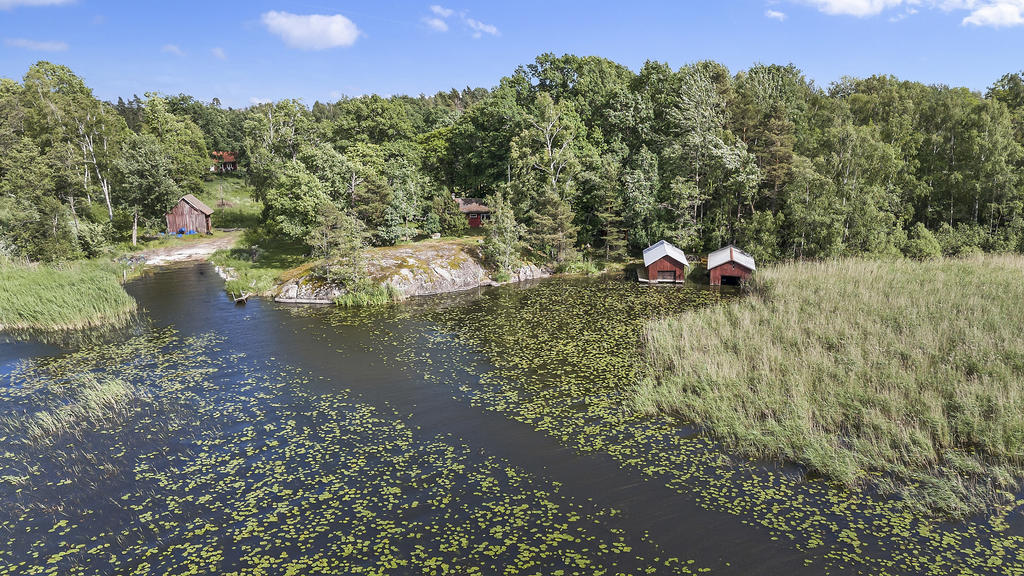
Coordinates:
481	433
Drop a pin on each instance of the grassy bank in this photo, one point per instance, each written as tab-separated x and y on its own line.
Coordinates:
259	263
63	297
903	376
232	203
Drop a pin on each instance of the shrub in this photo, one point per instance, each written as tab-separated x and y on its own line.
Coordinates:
921	244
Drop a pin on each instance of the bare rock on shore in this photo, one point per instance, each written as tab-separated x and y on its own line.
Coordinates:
420	269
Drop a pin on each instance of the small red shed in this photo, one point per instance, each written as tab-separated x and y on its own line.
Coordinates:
189	215
475	210
730	266
665	264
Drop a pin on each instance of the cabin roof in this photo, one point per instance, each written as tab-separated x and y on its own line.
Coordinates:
196	203
223	156
662	249
730	253
470	205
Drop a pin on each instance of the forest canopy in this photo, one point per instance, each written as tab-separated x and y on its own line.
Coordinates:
590	156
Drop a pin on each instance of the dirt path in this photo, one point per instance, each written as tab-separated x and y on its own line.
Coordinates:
190	250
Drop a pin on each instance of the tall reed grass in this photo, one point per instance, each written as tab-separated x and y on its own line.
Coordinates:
62	297
903	376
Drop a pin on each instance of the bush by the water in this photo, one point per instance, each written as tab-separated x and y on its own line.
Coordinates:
366	293
903	376
62	297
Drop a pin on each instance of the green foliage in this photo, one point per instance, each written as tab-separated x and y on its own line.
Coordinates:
504	236
366	293
922	244
444	210
589	155
339	241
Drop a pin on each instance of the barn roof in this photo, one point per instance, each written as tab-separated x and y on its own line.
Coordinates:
468	205
654	253
730	253
197	204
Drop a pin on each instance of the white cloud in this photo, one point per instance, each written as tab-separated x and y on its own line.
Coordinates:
40	46
172	49
854	7
219	53
8	4
479	28
997	14
311	31
436	24
987	13
775	15
257	101
441	11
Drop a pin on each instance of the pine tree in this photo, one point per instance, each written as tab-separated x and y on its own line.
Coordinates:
552	231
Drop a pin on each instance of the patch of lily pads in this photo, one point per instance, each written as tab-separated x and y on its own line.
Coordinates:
213	463
563	357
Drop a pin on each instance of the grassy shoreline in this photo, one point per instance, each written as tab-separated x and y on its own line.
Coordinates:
72	296
901	376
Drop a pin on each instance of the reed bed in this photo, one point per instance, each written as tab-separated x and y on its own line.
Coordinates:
62	297
905	377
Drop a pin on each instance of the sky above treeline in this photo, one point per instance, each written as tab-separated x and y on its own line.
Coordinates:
253	51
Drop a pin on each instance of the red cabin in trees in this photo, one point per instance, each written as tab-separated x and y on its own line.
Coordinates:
224	161
665	264
730	266
475	210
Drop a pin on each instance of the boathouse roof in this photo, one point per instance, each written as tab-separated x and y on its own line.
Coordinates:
730	253
662	249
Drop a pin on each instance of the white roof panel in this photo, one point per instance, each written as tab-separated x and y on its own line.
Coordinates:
654	253
730	253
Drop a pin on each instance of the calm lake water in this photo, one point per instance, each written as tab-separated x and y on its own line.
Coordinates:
487	432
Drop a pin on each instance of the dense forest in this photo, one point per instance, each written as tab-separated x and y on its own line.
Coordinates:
579	156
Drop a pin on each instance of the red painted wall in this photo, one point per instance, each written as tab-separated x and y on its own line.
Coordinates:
475	220
666	264
728	269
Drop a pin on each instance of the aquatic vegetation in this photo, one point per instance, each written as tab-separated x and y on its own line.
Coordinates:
369	294
231	466
564	356
63	296
835	365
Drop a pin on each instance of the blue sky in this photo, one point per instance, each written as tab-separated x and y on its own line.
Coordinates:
243	52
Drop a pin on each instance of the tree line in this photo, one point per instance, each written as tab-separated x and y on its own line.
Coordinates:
578	156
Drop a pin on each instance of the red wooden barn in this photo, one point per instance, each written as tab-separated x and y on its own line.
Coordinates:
189	215
665	263
475	210
730	266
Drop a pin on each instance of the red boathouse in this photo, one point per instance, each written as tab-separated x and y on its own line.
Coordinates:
665	264
730	266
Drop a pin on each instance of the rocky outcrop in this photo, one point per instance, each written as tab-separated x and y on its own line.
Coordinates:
424	268
306	290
